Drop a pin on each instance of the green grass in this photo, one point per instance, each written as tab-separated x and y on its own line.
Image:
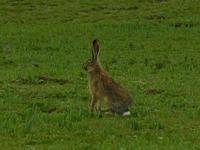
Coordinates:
151	47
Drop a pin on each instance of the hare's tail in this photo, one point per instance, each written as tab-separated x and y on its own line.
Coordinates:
127	113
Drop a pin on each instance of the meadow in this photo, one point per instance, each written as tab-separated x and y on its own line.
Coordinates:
150	47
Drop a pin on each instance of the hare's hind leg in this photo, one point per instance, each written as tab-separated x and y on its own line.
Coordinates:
120	108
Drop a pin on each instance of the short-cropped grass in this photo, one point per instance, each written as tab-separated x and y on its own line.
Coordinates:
151	47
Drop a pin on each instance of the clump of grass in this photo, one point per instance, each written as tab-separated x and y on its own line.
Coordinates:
136	125
156	125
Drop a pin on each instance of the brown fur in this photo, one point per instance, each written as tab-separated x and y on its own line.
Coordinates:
103	86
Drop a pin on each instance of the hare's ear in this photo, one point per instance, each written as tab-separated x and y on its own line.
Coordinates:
95	49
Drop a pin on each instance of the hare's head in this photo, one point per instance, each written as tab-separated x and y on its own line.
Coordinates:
92	63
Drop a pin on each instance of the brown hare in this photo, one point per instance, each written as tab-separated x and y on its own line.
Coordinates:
103	86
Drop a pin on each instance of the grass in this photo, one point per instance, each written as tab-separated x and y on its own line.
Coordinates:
151	47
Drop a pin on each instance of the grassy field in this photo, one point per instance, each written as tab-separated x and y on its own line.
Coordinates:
151	47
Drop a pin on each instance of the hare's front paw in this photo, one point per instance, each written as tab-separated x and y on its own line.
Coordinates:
109	113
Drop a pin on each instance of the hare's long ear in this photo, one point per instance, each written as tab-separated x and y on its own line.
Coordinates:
95	49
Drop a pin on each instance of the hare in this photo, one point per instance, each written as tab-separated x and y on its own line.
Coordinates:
103	86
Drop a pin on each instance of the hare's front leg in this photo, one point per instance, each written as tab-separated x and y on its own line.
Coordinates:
93	103
100	101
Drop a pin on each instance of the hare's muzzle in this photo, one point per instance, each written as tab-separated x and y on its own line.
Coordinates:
89	62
